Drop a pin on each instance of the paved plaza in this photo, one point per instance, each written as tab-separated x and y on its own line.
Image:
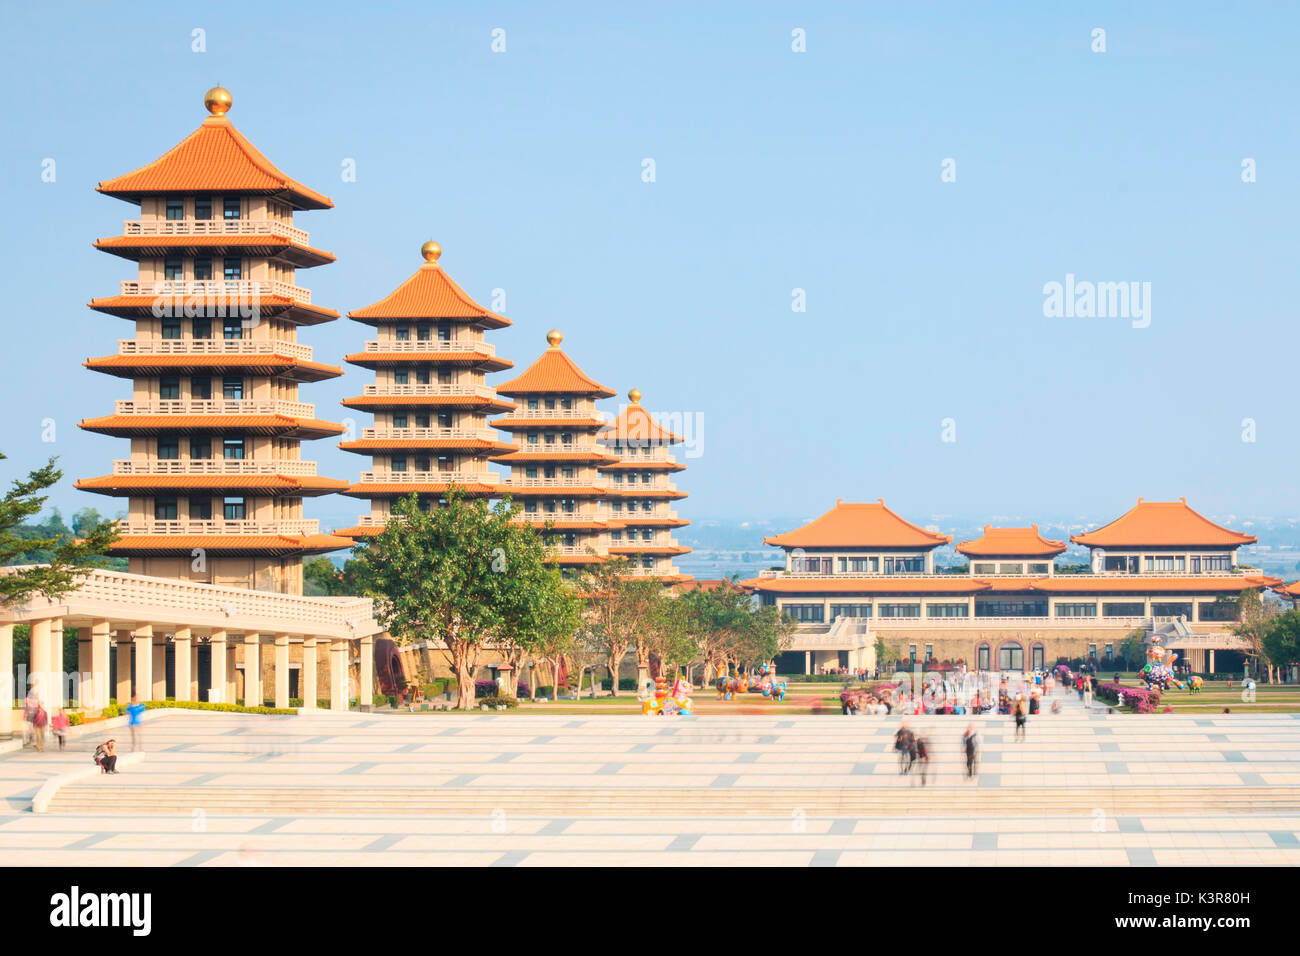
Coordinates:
505	790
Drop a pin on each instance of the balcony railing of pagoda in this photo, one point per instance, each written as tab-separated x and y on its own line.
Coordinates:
475	391
577	514
249	526
1070	623
224	406
544	448
575	482
212	347
632	456
661	569
215	227
575	550
555	413
213	466
243	289
430	434
434	345
661	483
431	477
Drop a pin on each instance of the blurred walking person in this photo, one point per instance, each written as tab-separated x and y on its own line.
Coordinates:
60	725
1022	718
971	747
39	723
923	757
135	712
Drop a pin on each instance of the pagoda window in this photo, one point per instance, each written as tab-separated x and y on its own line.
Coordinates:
201	389
444	376
232	388
424	464
947	610
1039	569
230	208
200	509
169	389
200	449
445	463
616	536
618	477
860	565
631	477
1212	562
164	509
570	539
530	507
1011	608
1076	609
1172	609
171	328
399	419
532	404
445	420
203	268
1011	569
530	472
649	505
1124	609
232	448
173	269
1110	652
1011	657
904	565
566	403
646	477
1123	563
567	505
618	507
423	332
648	563
549	506
647	534
898	610
850	610
203	207
232	329
401	376
566	472
566	438
929	653
402	333
175	209
397	463
422	376
444	331
806	613
982	657
550	438
201	328
532	438
169	448
550	404
234	509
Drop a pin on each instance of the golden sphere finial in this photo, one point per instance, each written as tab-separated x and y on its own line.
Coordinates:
634	396
431	251
217	100
554	338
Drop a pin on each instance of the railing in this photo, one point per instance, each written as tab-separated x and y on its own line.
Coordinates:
594	482
633	454
244	289
212	347
431	477
213	466
633	487
479	391
573	550
556	413
434	345
249	526
431	434
226	406
215	227
889	623
542	448
579	514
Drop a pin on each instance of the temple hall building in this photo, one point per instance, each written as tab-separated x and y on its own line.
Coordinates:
214	479
430	398
860	571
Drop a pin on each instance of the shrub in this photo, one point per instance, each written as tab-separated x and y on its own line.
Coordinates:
383	700
624	683
1139	700
1110	691
499	701
76	719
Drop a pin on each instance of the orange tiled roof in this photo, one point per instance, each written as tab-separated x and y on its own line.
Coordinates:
555	373
1291	590
528	455
430	294
470	357
859	525
266	484
125	425
1025	542
455	401
290	310
281	363
394	489
215	158
1058	584
635	426
433	444
1162	523
1135	584
268	245
185	543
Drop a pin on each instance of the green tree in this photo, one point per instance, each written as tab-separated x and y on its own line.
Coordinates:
619	607
63	556
539	617
1282	639
1254	620
454	575
1133	651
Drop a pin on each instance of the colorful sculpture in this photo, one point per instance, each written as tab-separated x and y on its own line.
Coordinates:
1159	668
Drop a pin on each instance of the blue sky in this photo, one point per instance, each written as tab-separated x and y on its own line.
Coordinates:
775	170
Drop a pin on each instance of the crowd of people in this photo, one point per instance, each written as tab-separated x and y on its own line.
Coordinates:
37	723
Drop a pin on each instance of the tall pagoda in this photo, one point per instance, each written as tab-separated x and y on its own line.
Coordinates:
554	473
429	399
215	480
641	491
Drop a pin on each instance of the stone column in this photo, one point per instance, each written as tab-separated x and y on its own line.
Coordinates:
158	689
97	694
57	695
84	682
123	691
38	661
1211	670
231	673
182	642
307	685
253	670
143	685
217	676
282	670
8	693
339	674
194	670
366	693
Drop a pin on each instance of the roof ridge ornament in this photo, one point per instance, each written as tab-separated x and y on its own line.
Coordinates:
431	252
218	100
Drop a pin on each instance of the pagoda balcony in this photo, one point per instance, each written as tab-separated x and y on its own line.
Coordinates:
466	391
575	550
660	571
654	484
226	406
648	453
434	345
554	413
575	482
215	227
578	514
430	434
541	448
133	526
214	466
634	517
213	347
430	477
239	289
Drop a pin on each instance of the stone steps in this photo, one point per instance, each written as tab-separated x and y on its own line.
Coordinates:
936	800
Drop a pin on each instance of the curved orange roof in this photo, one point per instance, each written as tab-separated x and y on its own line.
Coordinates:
637	427
430	294
268	484
1011	542
1291	590
215	158
286	544
859	525
1063	584
1162	523
555	373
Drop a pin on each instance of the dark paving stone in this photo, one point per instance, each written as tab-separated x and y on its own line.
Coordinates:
1130	825
667	732
1103	731
1109	747
201	857
611	768
461	781
505	757
450	731
1252	779
990	780
555	827
1284	839
544	739
684	841
1114	766
513	858
1218	738
842	827
87	841
576	723
766	739
984	841
201	779
1234	756
747	757
642	748
408	748
725	780
785	724
385	841
1141	856
270	826
825	858
360	767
